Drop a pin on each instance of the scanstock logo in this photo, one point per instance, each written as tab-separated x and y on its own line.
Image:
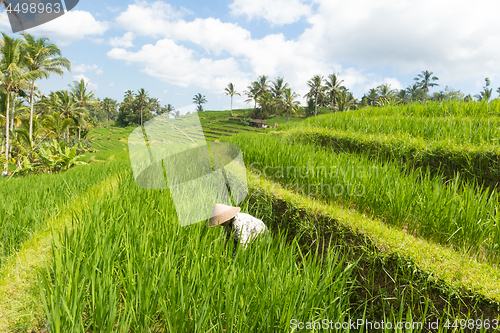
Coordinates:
28	14
173	153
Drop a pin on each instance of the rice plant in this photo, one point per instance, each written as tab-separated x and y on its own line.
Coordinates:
453	212
127	265
26	203
456	129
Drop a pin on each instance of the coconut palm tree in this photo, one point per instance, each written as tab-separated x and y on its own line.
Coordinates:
230	91
486	93
278	87
333	88
13	74
424	80
316	88
252	94
169	109
416	92
289	102
56	125
83	99
68	107
199	99
108	105
262	85
42	59
403	96
267	106
385	93
142	100
345	100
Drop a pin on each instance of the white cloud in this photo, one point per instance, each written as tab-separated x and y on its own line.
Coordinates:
97	40
149	19
453	41
72	26
91	86
457	43
272	55
393	82
178	65
124	41
277	12
112	84
82	68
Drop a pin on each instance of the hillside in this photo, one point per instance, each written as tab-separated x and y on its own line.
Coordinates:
400	243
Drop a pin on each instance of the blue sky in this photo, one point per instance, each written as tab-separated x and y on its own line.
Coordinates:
175	49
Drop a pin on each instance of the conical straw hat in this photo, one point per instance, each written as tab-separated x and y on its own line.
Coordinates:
221	214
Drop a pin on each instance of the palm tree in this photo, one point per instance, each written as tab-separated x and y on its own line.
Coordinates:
83	99
252	94
154	104
230	91
416	92
424	80
56	124
278	88
486	93
289	103
316	88
42	58
372	97
68	107
199	99
142	100
108	105
333	88
385	93
403	96
169	109
11	67
267	104
345	101
261	85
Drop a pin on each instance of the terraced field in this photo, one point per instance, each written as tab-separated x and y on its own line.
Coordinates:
356	235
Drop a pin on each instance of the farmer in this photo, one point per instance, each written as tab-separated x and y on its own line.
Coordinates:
245	226
5	171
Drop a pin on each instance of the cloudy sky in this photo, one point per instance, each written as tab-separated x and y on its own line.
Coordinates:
176	49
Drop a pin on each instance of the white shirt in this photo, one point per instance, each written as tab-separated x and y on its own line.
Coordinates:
246	228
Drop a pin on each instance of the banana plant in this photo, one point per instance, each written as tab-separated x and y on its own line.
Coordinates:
57	156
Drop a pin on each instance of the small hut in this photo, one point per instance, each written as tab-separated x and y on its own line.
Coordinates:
259	123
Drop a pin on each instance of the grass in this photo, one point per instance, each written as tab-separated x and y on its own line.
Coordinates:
117	259
477	163
20	301
441	283
452	213
27	202
456	129
126	265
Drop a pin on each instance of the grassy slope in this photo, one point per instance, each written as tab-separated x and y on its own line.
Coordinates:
387	241
46	203
462	138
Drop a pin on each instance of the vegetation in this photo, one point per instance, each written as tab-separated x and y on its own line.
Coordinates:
199	100
388	212
230	91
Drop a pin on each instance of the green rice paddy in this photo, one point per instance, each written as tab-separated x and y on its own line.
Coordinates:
89	251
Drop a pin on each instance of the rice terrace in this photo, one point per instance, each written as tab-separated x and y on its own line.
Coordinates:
253	208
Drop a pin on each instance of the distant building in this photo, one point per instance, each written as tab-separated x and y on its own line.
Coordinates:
259	123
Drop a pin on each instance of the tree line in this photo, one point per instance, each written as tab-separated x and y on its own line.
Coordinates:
36	128
271	98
